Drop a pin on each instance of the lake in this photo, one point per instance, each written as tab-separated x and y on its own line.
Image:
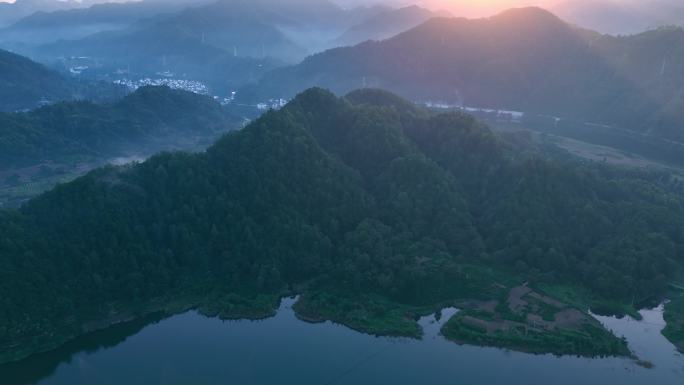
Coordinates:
193	349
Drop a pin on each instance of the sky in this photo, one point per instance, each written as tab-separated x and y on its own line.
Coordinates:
453	5
463	7
483	7
476	8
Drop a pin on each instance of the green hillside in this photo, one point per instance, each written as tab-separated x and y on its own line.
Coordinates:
372	209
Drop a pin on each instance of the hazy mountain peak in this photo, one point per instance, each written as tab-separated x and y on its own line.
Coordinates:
527	15
535	22
387	24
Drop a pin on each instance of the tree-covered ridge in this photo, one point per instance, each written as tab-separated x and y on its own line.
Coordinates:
25	84
365	196
82	130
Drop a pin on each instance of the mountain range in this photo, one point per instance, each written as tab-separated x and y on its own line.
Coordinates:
74	23
259	28
11	12
224	44
284	30
524	60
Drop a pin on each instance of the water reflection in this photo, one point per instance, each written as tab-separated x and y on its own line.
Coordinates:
192	349
646	340
40	366
433	323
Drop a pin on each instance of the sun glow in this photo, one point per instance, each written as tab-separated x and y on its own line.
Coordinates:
483	7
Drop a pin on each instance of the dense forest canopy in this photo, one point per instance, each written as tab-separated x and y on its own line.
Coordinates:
364	194
140	122
25	84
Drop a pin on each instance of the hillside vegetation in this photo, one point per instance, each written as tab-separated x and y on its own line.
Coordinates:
72	131
373	209
25	84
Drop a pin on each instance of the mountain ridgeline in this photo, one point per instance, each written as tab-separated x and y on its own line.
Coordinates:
523	59
365	196
283	30
78	22
25	84
387	24
143	122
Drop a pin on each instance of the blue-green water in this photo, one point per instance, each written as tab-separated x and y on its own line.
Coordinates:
195	350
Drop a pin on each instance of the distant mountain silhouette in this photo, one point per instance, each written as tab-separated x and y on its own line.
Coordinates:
386	24
621	17
522	59
44	27
11	12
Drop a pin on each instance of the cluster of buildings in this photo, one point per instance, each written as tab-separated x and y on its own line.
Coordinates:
500	115
179	84
272	104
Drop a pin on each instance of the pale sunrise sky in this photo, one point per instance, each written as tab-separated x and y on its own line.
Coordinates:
461	7
452	4
483	7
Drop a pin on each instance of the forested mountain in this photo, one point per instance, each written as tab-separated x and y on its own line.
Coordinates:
523	59
142	122
387	24
25	84
361	196
43	27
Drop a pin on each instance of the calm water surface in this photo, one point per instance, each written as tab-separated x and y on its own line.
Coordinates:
190	349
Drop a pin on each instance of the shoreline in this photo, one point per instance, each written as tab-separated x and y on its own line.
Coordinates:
403	323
